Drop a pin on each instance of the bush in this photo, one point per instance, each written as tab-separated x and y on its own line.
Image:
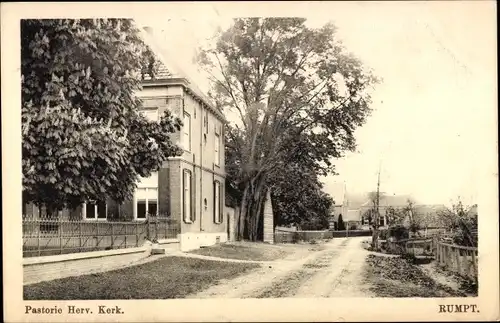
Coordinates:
340	223
398	232
383	234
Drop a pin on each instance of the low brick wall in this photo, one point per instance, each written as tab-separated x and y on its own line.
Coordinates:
295	236
38	269
351	233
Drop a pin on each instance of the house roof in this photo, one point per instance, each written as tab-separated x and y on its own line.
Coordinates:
337	191
390	200
169	70
350	215
162	72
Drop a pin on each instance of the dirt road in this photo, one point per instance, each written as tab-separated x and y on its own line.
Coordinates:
334	271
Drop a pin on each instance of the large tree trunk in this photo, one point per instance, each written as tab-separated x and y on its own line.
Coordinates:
250	209
242	219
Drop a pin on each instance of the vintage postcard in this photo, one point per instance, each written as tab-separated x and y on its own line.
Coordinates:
250	161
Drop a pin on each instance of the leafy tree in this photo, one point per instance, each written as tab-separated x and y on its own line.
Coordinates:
298	199
368	215
287	84
415	222
83	135
395	216
374	214
462	221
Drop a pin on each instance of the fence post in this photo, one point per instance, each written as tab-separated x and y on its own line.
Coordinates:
60	227
79	223
445	256
38	236
136	235
474	268
97	236
156	228
112	235
458	260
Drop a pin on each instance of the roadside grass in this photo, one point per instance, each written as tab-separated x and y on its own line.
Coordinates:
253	250
398	277
168	277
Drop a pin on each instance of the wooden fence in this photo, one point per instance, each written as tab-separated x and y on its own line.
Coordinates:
461	260
55	236
458	259
415	246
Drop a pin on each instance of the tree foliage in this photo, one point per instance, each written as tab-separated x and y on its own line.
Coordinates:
395	216
83	135
298	199
340	223
462	221
290	87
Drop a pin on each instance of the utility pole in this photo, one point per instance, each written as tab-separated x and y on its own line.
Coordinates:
377	213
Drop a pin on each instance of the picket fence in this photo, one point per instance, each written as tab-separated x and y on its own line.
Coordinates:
55	236
461	260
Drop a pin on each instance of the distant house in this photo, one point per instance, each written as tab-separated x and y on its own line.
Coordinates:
386	201
430	212
338	192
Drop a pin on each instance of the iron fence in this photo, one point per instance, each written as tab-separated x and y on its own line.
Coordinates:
55	236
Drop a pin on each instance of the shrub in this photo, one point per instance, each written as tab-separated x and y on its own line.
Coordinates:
340	223
383	234
398	232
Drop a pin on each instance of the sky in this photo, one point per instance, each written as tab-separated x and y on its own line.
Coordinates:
436	103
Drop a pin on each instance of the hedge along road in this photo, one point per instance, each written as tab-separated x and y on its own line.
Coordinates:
335	271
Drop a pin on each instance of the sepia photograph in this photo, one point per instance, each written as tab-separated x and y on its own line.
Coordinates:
328	153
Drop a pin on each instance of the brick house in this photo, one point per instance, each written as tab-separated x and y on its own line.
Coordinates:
188	188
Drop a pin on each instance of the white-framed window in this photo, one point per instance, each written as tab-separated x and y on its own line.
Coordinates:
217	202
95	210
381	221
150	114
217	150
146	197
146	202
187	197
186	132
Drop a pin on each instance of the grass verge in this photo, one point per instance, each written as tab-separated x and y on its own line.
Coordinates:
245	251
398	277
169	277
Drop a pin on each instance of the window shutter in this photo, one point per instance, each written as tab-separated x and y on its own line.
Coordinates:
191	197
